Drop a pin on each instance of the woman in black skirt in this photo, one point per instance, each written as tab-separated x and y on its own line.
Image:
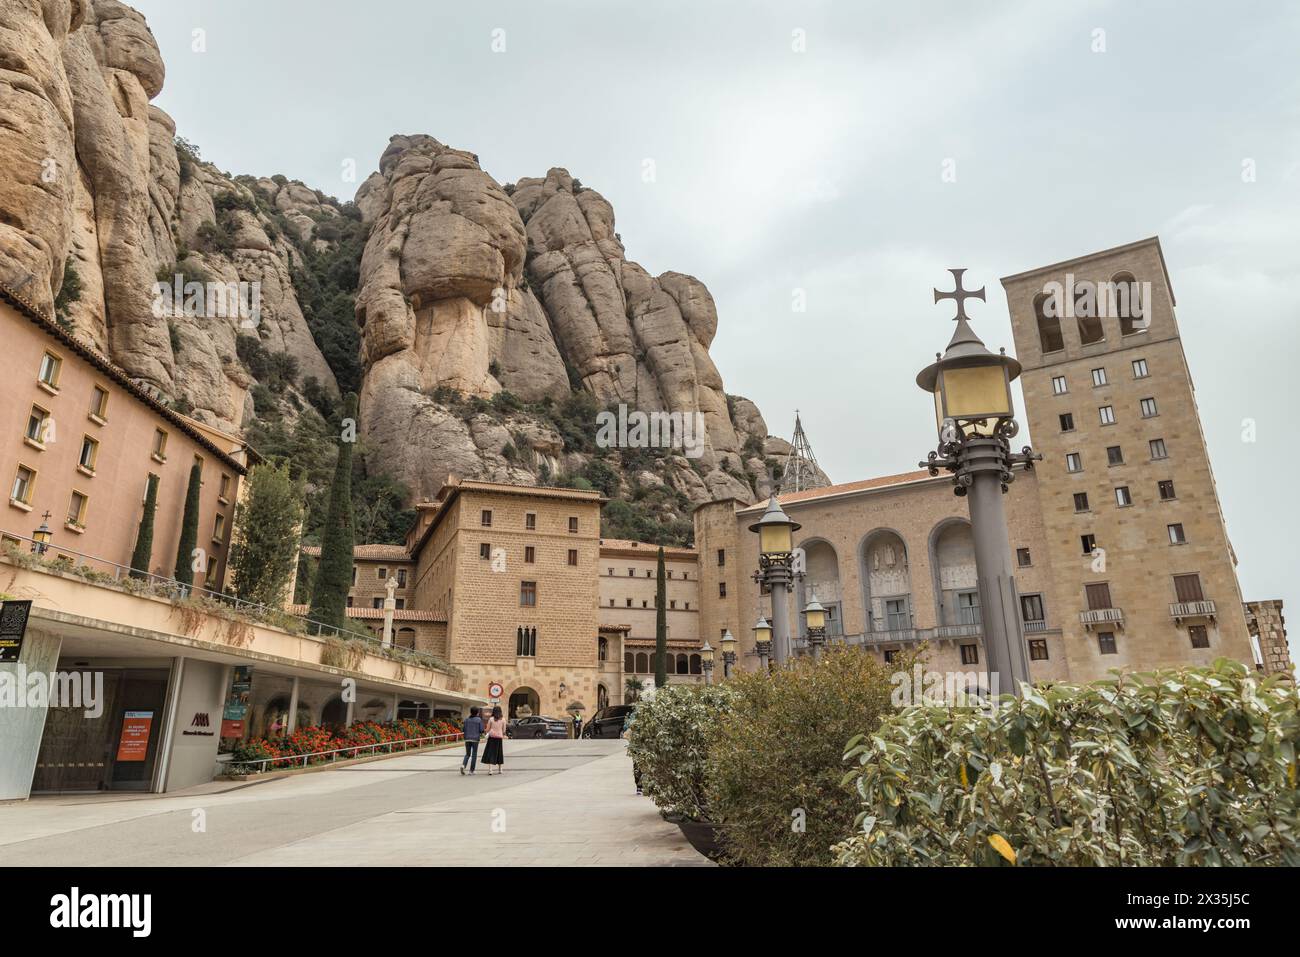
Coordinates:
494	755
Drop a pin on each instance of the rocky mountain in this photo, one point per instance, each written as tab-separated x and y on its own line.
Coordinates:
485	326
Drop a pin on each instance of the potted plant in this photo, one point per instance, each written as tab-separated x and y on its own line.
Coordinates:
669	743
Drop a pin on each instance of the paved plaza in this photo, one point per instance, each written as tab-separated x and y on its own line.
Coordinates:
558	803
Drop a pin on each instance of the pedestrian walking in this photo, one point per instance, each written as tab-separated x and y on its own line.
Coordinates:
473	730
577	726
494	753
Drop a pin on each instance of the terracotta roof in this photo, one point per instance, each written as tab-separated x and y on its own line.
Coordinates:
371	614
119	375
882	481
391	553
623	545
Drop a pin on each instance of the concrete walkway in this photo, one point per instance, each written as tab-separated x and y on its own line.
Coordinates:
559	803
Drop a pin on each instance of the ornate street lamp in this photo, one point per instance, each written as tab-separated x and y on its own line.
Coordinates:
775	557
815	619
728	653
42	537
975	417
706	658
763	641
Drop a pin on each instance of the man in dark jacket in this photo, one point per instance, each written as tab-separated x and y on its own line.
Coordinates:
473	729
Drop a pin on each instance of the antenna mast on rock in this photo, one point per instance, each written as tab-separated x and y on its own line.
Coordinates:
801	471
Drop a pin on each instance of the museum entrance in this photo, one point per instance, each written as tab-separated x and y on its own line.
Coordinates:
115	748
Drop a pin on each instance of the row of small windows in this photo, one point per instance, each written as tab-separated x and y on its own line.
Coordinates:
641	663
654	603
1061	385
1124	498
530	521
530	554
1115	455
381	573
1106	413
40	430
649	573
1199	636
23	490
1177	536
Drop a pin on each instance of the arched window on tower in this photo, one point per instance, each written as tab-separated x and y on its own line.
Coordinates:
1049	327
629	662
1127	303
1087	313
602	648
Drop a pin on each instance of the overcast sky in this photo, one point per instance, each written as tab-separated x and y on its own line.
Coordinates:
820	170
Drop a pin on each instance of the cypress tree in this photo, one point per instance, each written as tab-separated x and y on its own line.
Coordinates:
267	530
189	529
334	576
143	553
661	625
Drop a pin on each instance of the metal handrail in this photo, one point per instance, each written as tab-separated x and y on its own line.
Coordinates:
352	748
180	590
1204	608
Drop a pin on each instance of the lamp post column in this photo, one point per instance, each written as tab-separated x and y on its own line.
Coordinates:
975	415
778	579
985	461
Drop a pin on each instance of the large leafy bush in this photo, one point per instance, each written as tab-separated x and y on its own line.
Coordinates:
1188	767
776	759
669	741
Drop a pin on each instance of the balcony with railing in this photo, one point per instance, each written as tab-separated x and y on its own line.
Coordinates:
1101	616
1191	609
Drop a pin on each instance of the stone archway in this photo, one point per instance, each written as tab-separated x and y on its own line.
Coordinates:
523	698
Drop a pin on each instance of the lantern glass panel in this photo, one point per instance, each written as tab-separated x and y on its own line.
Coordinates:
774	539
977	392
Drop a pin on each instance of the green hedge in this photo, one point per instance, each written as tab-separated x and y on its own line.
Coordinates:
1188	767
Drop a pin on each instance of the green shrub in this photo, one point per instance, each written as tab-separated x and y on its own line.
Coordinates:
1188	767
265	544
776	759
669	741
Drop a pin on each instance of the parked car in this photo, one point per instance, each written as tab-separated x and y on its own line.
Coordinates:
537	726
607	722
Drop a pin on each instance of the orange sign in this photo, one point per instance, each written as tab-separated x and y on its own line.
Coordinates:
133	745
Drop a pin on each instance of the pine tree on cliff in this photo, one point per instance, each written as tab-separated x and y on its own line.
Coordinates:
661	625
329	597
143	553
189	529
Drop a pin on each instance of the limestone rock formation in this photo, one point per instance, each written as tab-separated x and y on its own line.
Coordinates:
495	322
96	187
463	289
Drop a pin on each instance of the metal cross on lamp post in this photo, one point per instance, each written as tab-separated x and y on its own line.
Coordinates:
975	416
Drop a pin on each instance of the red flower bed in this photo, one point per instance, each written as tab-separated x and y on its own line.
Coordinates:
360	738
